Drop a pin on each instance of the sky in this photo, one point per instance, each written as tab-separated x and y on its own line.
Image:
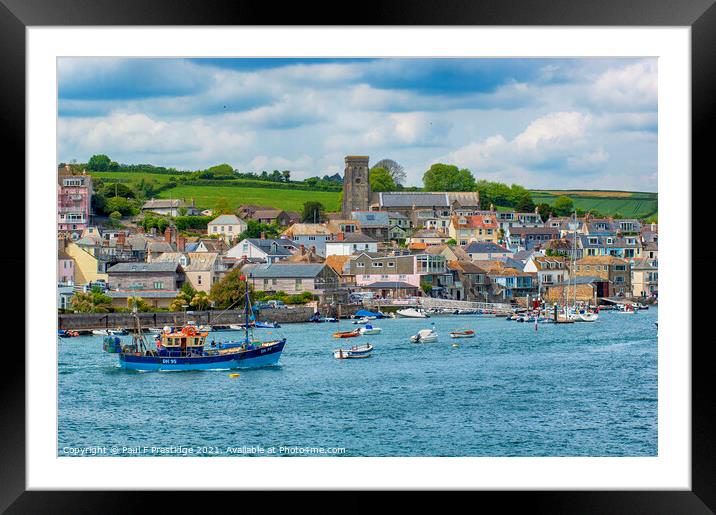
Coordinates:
542	123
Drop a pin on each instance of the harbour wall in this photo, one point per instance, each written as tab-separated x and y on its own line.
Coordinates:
294	314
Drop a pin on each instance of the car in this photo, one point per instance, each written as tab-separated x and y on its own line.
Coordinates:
277	304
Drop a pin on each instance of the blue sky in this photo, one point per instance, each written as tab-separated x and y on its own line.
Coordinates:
542	123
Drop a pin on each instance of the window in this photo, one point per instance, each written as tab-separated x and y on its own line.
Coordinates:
360	265
274	282
299	284
391	264
158	285
216	229
231	228
198	279
266	283
378	264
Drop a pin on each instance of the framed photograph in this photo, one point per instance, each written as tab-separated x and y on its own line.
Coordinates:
467	200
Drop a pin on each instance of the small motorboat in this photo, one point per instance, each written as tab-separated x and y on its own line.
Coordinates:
425	336
347	334
355	352
628	309
369	329
100	332
62	333
462	334
267	325
411	313
118	332
586	317
363	320
205	328
155	330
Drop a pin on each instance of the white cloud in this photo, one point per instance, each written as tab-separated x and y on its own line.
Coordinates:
633	86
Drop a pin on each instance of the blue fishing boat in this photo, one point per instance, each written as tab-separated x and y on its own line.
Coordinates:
184	349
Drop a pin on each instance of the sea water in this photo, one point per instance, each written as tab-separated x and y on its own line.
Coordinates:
582	389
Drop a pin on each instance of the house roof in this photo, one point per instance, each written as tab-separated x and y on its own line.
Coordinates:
370	219
482	247
517	231
227	220
474	222
62	254
645	264
338	263
601	260
429	233
144	267
267	213
417	245
201	261
441	248
164	203
543	262
388	199
354	237
282	270
467	267
168	257
160	246
272	246
307	230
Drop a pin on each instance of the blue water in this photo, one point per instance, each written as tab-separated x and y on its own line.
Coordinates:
583	389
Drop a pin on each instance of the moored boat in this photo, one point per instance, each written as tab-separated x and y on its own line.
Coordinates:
462	334
183	349
369	329
412	313
347	334
425	336
355	352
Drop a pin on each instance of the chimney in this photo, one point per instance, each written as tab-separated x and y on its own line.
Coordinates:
168	235
313	249
263	235
340	236
303	249
181	243
121	239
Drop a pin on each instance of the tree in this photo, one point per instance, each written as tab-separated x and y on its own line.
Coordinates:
231	289
254	228
122	205
563	206
396	171
118	189
116	215
91	302
313	212
200	301
286	175
99	163
139	303
381	180
524	204
442	177
182	299
451	242
545	211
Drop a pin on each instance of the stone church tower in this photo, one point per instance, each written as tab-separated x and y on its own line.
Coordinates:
356	185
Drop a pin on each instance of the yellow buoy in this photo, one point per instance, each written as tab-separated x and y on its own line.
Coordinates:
234	375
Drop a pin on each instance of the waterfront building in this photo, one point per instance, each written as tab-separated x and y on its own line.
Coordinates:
548	269
469	281
74	198
65	265
369	268
292	278
645	277
615	271
146	276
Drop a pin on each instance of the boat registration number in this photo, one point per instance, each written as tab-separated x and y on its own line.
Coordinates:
169	361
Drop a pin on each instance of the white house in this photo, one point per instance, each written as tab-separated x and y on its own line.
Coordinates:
350	243
227	226
269	250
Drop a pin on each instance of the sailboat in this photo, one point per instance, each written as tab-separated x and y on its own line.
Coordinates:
183	349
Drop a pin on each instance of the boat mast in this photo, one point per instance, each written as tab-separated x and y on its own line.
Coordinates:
246	308
574	257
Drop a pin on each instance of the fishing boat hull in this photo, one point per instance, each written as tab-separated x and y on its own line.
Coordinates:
350	334
411	313
462	334
374	330
253	358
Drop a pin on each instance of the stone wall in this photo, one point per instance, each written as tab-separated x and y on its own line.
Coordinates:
113	320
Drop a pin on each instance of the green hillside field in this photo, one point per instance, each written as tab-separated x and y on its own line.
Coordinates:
630	204
237	192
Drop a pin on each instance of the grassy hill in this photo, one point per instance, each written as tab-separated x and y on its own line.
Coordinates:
291	197
631	204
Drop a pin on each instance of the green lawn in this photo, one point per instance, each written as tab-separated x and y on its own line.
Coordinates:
207	196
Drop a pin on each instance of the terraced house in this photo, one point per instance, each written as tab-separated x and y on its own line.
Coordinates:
464	229
614	271
292	278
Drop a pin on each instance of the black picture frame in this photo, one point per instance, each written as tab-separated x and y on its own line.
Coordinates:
17	15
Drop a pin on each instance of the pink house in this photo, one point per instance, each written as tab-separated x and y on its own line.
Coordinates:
74	195
65	267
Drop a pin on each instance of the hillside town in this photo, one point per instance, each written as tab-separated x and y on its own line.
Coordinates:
383	245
